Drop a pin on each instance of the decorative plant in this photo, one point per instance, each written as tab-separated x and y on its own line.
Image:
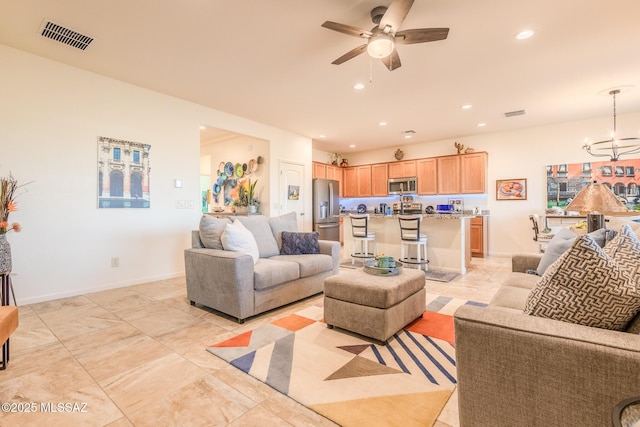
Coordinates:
252	193
243	198
8	187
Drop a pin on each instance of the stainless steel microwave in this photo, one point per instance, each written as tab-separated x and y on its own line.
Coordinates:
403	185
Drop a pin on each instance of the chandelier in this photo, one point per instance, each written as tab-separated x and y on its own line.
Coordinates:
613	147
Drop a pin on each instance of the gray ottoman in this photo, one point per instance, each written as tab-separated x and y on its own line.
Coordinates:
374	306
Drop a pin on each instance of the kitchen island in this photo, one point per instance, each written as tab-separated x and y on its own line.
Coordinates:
448	239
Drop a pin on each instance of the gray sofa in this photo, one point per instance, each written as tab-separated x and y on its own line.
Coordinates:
515	369
231	283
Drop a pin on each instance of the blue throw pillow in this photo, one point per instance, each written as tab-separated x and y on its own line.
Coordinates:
295	243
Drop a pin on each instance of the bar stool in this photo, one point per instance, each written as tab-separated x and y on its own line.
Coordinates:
361	236
410	236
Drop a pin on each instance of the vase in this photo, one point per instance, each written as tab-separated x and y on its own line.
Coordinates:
253	209
5	254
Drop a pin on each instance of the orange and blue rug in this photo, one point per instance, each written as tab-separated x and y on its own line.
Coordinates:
346	377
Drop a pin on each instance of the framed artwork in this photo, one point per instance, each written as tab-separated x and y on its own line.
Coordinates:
511	189
294	192
123	174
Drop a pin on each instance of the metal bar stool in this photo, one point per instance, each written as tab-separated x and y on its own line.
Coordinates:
410	236
361	236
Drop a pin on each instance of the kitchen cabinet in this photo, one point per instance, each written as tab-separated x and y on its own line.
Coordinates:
427	173
402	169
335	173
479	233
350	182
363	180
448	174
379	178
473	173
319	170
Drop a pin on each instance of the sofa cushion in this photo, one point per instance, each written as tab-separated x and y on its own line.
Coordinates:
294	243
309	265
286	222
563	241
258	225
237	238
210	230
587	287
616	223
270	272
625	249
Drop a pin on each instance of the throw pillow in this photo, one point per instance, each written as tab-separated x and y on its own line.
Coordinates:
294	243
210	230
616	223
587	287
563	241
625	250
286	222
258	225
237	238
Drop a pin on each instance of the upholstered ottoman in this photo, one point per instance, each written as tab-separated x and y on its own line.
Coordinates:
374	306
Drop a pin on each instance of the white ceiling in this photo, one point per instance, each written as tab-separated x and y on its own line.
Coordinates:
270	61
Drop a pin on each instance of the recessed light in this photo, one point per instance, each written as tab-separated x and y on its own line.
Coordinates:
322	136
466	106
522	35
481	125
382	123
202	127
407	137
358	86
352	146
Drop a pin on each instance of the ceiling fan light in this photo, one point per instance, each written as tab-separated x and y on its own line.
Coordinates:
380	46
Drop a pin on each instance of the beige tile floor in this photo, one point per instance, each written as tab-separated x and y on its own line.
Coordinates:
136	356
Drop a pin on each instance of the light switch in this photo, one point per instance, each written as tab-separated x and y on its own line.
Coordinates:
178	183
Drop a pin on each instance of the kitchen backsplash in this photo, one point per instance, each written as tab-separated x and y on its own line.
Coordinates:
467	202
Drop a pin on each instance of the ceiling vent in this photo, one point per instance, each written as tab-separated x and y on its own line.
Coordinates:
64	35
514	113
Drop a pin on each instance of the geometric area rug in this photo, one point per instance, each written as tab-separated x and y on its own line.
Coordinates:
348	378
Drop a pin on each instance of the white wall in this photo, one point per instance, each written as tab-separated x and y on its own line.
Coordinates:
516	154
50	118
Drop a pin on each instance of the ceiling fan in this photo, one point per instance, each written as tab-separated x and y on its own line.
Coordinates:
382	38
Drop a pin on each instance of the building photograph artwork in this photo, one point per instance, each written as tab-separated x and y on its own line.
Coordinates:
123	174
565	180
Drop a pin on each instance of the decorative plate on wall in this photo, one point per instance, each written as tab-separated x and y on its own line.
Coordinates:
228	169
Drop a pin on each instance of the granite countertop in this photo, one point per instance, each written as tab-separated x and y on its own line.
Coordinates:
426	216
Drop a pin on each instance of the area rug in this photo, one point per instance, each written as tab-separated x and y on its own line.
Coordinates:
439	275
346	377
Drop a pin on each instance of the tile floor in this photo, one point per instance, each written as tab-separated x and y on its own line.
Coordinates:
136	356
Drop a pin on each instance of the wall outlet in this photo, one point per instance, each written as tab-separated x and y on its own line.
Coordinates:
115	261
184	204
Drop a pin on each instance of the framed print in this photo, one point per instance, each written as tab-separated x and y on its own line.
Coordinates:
511	189
294	192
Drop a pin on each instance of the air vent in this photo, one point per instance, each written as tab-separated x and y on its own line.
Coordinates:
64	35
514	113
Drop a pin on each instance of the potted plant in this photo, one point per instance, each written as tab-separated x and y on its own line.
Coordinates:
252	200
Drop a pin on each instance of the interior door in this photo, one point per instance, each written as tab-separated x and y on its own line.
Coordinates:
292	190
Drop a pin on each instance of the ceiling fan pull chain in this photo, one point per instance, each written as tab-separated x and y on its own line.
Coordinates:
370	70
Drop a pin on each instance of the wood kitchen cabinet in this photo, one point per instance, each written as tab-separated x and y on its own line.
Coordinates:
335	173
473	173
319	170
364	180
448	174
427	173
402	169
379	178
350	182
479	244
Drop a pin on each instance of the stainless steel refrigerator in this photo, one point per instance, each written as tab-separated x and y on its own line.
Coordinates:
326	209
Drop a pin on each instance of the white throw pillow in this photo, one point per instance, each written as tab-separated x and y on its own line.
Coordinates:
237	238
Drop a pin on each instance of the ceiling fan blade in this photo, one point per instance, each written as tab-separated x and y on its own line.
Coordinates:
392	61
395	14
421	35
346	29
350	55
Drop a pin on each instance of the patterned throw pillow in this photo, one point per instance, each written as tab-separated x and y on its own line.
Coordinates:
625	250
294	243
587	287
